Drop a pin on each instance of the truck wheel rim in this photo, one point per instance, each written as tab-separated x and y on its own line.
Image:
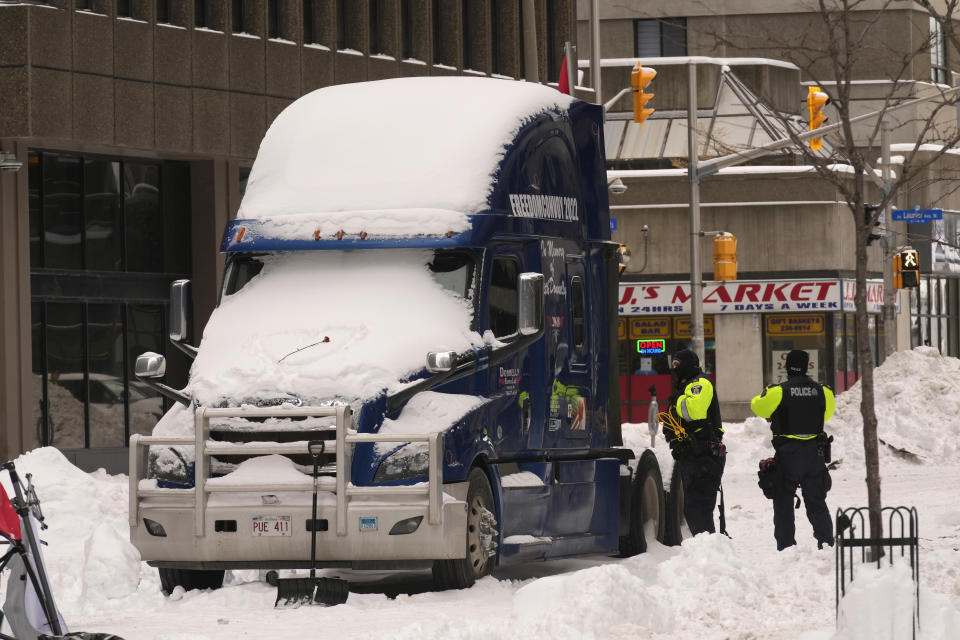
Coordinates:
480	535
650	504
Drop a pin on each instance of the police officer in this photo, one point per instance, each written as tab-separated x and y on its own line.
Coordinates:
798	408
700	454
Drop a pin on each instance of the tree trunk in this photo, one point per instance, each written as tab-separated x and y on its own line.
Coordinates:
869	415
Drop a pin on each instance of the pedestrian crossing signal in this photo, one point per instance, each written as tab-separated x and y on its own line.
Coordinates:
906	269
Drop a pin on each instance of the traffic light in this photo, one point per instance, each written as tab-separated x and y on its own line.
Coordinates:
816	101
724	257
906	269
640	77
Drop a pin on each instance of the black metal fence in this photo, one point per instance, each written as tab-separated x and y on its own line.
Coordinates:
901	525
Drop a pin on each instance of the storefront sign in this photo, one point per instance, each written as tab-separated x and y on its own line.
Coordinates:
651	346
641	328
796	324
779	359
682	329
874	296
743	296
740	296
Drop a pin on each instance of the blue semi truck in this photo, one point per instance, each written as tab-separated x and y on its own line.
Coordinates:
420	297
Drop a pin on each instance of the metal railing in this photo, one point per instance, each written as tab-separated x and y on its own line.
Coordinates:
903	527
342	447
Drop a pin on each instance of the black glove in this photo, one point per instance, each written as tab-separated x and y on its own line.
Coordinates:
679	448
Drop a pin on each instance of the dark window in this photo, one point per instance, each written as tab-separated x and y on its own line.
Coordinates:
496	21
406	29
310	27
62	211
662	37
348	27
34	182
101	204
240	16
378	34
200	13
142	213
82	5
578	314
444	38
502	296
274	18
65	425
555	45
473	35
123	8
163	12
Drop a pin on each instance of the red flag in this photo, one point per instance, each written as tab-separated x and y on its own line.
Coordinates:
9	520
563	84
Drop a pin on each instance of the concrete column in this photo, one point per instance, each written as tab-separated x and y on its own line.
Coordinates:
16	379
739	362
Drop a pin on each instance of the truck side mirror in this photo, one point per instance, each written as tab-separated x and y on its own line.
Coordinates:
181	317
441	361
530	320
150	365
181	311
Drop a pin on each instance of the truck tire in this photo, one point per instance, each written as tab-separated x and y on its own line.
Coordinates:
189	579
481	539
647	503
675	521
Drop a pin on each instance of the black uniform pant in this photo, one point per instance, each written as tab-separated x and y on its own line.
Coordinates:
800	465
701	481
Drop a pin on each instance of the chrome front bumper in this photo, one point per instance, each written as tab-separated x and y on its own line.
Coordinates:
202	528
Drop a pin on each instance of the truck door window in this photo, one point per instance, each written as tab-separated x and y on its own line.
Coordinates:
240	271
577	306
502	296
453	270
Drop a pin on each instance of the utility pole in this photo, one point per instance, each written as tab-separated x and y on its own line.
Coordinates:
889	292
531	66
696	275
595	70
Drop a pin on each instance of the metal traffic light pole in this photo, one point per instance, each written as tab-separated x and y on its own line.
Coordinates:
696	274
697	171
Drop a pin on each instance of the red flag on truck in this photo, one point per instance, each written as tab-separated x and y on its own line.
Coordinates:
563	84
9	520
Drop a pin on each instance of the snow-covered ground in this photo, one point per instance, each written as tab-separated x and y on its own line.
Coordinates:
709	587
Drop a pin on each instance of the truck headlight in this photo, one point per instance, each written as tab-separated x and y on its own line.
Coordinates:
409	461
169	467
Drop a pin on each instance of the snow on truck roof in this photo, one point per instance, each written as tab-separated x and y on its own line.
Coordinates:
407	156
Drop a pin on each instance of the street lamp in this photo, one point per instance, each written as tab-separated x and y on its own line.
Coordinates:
617	186
9	162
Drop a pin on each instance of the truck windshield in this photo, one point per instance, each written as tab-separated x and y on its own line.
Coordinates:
453	270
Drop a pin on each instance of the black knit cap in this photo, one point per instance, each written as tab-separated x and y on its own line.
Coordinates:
797	361
688	364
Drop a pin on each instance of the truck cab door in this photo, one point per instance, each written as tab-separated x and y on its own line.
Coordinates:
513	380
575	389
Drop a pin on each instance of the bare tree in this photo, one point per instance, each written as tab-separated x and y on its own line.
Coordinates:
841	39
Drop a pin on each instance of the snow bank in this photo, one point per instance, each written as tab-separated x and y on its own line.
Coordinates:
90	558
917	407
435	142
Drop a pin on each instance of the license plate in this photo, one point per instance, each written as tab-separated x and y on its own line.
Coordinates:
272	526
368	524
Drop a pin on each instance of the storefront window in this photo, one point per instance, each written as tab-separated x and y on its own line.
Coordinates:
784	332
934	319
648	342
